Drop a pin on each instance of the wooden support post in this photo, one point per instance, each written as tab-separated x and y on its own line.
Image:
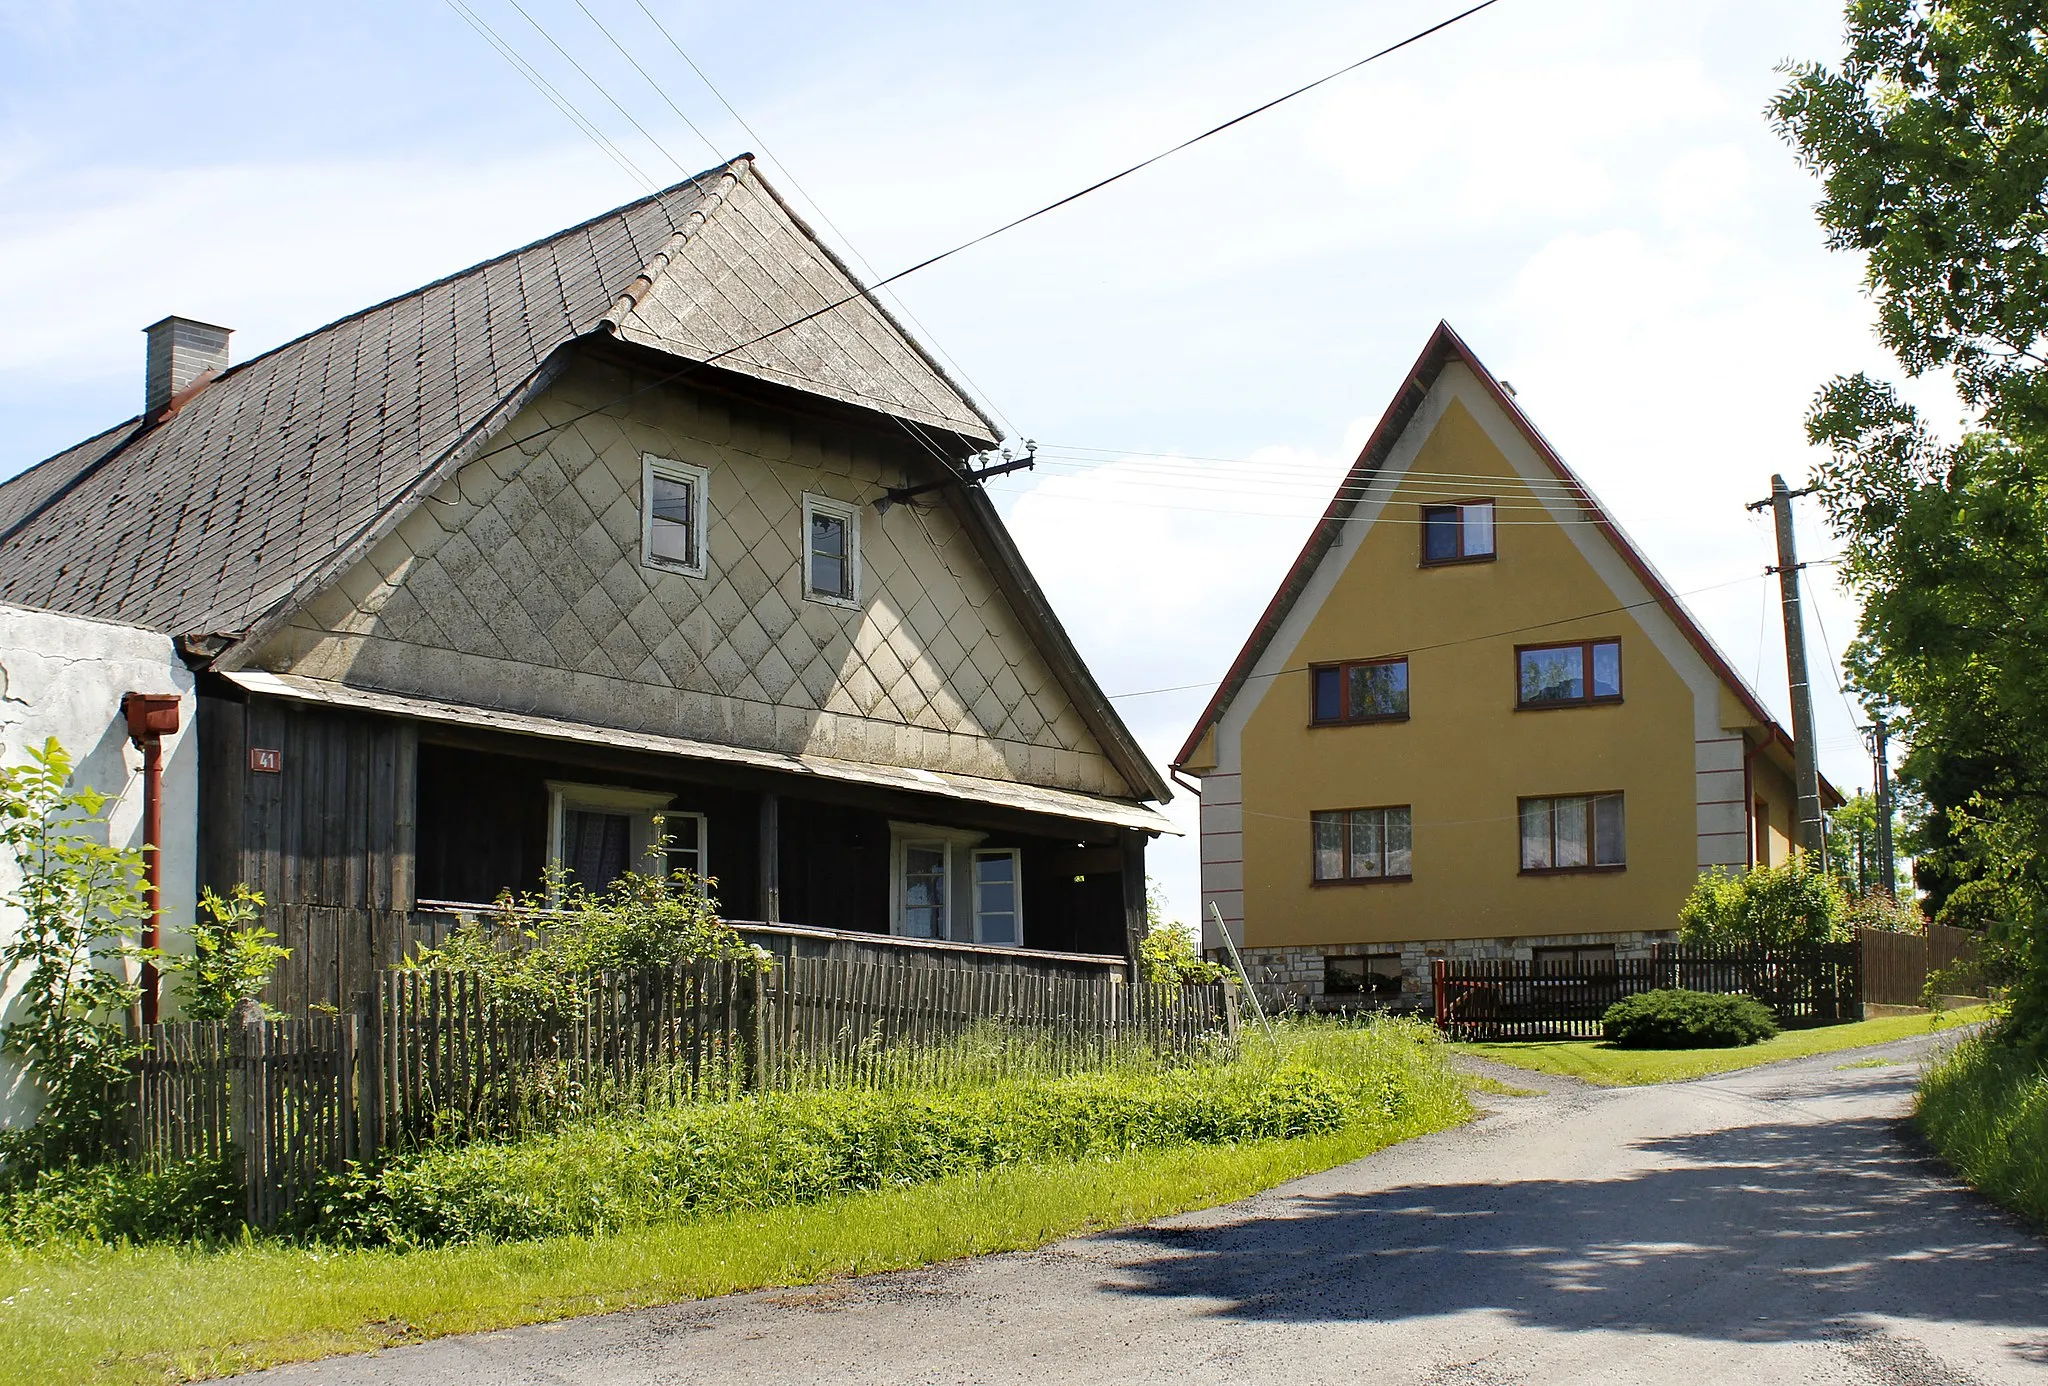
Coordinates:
1133	844
369	1055
771	859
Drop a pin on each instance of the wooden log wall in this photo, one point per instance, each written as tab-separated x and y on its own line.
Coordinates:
328	838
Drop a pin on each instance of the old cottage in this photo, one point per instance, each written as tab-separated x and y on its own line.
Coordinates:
610	528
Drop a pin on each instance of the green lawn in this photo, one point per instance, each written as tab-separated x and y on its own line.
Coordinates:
1598	1062
158	1314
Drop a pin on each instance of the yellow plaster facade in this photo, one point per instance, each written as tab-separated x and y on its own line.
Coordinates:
1688	751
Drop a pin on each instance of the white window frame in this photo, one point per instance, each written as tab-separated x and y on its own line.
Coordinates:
698	479
975	857
849	515
958	844
641	805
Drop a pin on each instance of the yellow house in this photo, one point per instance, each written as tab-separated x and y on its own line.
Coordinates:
1472	722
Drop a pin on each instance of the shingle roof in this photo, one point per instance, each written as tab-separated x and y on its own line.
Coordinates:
209	519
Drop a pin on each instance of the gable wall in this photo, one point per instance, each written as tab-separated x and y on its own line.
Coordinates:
519	586
1467	754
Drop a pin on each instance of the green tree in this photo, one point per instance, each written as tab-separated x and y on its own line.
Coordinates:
1931	141
79	903
1169	952
1765	906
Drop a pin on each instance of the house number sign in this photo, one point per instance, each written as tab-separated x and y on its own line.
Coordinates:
264	761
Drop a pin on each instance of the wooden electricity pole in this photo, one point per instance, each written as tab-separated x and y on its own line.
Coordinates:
1810	828
1887	867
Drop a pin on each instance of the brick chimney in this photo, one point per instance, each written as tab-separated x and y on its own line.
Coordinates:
181	352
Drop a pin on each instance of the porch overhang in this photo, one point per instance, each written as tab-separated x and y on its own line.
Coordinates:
1056	803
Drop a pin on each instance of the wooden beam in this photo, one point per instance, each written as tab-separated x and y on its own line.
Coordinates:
771	858
1134	896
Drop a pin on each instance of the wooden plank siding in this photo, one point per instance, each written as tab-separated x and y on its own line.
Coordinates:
328	840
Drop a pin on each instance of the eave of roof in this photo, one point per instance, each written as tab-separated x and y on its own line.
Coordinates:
1061	803
1445	347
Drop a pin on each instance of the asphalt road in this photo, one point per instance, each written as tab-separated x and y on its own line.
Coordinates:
1777	1226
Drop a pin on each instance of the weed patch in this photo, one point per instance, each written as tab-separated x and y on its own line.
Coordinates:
1985	1108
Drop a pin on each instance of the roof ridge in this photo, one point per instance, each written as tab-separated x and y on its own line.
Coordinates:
628	298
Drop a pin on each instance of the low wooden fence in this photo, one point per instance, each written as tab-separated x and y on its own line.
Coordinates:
1508	998
1896	966
430	1056
829	1021
278	1095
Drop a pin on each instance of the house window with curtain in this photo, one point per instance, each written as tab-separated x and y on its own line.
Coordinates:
1576	832
1354	846
597	833
1461	533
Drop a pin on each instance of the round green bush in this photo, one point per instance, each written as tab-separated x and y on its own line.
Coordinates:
1674	1019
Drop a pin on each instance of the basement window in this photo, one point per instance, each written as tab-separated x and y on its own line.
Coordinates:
1375	974
1461	533
674	500
1578	832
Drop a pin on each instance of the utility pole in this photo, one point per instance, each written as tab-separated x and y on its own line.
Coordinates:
1810	829
1887	867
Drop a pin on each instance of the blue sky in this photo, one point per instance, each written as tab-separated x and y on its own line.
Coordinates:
1586	189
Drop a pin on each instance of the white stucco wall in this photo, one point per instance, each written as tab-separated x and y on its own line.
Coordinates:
63	677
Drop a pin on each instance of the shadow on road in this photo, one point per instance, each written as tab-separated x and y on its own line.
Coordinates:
1759	1233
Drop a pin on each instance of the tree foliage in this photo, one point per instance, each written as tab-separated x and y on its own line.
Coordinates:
79	903
1931	140
1168	952
1765	907
232	958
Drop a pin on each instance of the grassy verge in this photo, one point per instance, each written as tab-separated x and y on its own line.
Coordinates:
72	1311
1985	1108
1598	1062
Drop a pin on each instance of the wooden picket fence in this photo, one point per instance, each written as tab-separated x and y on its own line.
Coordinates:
430	1056
277	1094
1515	998
834	1022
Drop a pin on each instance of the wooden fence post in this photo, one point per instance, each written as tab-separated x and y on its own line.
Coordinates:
245	1105
369	1050
758	1062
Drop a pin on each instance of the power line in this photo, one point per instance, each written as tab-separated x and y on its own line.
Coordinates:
600	88
926	263
547	89
1461	640
818	207
625	53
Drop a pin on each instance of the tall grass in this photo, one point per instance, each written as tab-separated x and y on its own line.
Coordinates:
1985	1108
785	1148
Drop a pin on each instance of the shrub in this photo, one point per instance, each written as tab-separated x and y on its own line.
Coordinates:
1885	913
1675	1019
194	1201
534	952
1765	906
1984	1105
1168	952
78	906
787	1148
232	956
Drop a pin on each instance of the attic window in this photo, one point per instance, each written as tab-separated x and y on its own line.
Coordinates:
675	498
1461	533
831	551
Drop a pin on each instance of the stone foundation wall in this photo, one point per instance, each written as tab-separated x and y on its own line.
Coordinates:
1293	976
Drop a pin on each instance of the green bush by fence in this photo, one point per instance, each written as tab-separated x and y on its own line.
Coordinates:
1676	1019
785	1148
